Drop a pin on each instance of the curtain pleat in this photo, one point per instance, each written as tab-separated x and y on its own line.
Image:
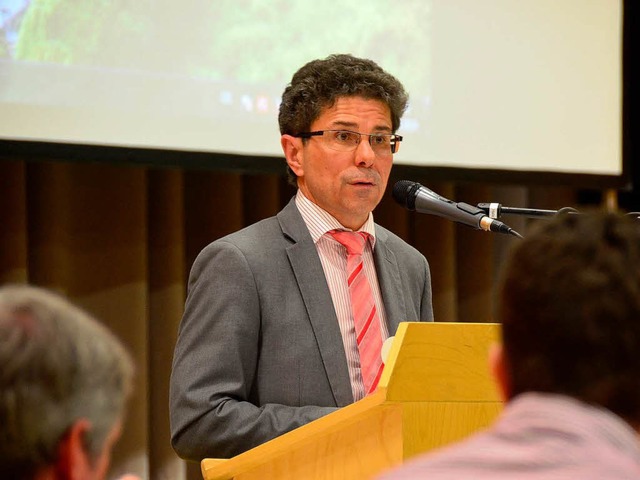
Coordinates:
167	267
13	223
474	266
213	208
260	197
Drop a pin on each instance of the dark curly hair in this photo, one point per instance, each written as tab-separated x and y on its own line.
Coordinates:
318	84
569	302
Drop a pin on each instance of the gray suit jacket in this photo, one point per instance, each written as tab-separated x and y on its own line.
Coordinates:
259	349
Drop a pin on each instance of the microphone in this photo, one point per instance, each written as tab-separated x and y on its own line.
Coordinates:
418	198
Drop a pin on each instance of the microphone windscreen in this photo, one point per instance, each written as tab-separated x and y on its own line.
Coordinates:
405	192
400	191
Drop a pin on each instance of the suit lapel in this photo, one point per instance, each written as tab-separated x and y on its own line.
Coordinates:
390	282
310	277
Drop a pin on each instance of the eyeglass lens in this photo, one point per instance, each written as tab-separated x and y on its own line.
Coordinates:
345	140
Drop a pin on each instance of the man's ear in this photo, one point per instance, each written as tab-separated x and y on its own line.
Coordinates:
73	462
499	370
292	148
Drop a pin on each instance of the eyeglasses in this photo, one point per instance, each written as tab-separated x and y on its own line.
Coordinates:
383	144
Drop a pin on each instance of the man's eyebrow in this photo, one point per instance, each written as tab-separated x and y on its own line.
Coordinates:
353	126
344	124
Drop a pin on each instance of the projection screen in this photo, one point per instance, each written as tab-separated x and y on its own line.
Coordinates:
526	86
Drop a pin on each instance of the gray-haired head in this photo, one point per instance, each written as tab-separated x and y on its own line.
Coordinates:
57	365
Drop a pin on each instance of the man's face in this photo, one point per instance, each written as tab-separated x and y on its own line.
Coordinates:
348	185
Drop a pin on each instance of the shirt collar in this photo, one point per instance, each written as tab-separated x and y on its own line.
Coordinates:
319	221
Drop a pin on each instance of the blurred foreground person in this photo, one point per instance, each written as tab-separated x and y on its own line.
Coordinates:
64	381
569	367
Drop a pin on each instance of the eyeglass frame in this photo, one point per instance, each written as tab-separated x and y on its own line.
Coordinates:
394	138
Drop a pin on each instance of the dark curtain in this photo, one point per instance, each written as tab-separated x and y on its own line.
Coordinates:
119	240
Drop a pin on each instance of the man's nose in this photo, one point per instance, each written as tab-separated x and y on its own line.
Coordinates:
365	156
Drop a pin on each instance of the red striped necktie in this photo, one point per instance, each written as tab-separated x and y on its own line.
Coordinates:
363	307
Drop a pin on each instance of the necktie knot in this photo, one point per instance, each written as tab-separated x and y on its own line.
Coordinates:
354	242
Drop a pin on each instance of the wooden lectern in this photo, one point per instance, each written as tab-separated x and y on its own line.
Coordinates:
435	389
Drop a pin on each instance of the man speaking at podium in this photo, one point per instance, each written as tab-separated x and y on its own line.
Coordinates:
285	319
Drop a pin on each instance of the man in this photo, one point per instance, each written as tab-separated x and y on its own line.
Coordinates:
64	380
569	367
268	338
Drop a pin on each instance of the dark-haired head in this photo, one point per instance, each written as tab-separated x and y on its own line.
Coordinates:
318	84
569	302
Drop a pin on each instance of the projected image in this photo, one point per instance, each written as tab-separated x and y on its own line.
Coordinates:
189	74
11	15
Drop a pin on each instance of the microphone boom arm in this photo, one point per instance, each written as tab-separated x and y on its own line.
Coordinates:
495	210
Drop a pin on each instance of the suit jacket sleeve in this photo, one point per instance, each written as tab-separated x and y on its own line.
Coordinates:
215	410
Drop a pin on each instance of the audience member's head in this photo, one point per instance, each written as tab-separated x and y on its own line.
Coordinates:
318	84
569	303
64	381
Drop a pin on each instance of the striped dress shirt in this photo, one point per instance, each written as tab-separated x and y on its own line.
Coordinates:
538	436
334	262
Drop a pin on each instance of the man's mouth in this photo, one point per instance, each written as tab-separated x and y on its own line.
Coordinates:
363	182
